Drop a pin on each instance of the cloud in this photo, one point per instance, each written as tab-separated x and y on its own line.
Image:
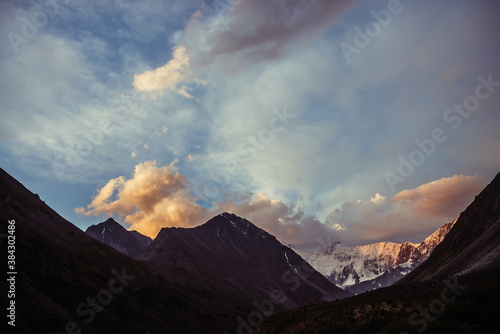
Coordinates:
255	31
156	197
169	76
287	222
443	198
246	33
153	198
409	215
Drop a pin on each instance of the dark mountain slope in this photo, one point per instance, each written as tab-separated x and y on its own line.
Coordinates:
472	244
115	235
401	309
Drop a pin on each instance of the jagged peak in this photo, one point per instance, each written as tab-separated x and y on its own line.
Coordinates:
230	222
230	218
109	221
440	232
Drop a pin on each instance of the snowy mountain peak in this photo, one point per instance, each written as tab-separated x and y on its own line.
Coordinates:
351	266
440	233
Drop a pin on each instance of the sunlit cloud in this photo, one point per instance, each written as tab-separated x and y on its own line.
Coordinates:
170	77
249	32
156	197
153	198
445	197
407	214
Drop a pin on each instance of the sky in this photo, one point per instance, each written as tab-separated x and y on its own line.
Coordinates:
319	121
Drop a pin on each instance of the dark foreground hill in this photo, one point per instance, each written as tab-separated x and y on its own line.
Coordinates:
67	281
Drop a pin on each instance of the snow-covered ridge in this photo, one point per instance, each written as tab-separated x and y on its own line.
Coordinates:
353	265
348	266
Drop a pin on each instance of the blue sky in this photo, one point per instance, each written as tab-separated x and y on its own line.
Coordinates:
280	111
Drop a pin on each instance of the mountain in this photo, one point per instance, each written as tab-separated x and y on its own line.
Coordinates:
349	266
362	268
115	235
454	291
230	254
69	282
472	245
427	246
389	277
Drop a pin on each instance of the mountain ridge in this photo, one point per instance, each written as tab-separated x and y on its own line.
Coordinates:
115	235
358	268
229	252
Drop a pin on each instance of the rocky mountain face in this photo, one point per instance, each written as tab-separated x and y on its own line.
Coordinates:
115	235
229	253
362	268
389	277
427	246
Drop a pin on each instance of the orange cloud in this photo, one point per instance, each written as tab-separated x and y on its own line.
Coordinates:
444	198
153	198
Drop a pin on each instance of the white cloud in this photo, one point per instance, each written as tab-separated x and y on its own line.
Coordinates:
192	157
170	77
259	31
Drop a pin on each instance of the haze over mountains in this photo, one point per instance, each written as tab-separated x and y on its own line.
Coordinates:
228	275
